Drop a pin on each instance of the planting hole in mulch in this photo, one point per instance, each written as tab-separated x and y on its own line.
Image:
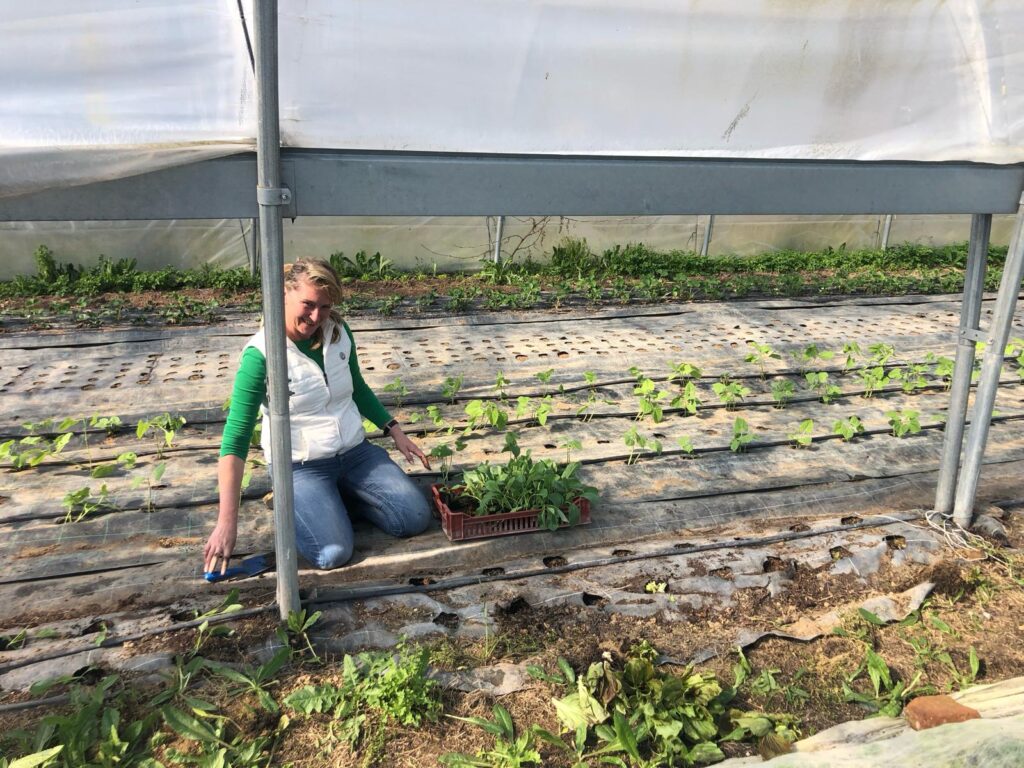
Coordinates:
773	564
849	520
838	553
421	581
592	600
895	541
621	552
800	528
725	572
497	571
518	605
100	625
447	620
89	675
555	561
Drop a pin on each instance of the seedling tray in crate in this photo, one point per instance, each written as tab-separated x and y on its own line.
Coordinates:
459	526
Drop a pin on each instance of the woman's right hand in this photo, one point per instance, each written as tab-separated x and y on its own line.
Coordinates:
221	543
219	546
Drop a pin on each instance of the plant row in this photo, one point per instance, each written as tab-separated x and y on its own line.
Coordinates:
619	274
625	710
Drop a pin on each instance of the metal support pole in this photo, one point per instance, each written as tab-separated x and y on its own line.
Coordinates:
887	227
497	239
960	388
271	195
707	235
256	257
985	397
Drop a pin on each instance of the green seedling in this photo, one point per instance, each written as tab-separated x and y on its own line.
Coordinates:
82	503
903	423
445	453
782	392
913	377
523	404
886	696
729	392
654	587
509	751
848	428
13	642
811	354
638	444
542	410
873	379
851	350
152	480
566	674
482	413
500	384
881	353
544	377
649	399
206	631
688	400
436	417
819	381
255	680
294	632
804	434
685	445
107	424
399	390
34	449
569	446
165	426
943	368
511	444
450	388
742	435
683	372
760	354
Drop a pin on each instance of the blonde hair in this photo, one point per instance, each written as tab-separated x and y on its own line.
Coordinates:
321	274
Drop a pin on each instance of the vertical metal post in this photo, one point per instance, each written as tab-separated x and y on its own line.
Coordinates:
256	256
985	397
271	196
497	239
960	388
887	227
707	235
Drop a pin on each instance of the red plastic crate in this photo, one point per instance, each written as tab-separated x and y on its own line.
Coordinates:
459	526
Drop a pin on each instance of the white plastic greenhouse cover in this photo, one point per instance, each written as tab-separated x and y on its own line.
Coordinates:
129	86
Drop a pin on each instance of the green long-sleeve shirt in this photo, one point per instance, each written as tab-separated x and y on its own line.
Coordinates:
250	389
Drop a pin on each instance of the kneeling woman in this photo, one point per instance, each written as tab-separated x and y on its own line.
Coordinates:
335	469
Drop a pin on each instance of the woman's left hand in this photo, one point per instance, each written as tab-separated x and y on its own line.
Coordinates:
407	447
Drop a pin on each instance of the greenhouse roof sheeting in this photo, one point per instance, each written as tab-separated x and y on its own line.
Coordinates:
132	86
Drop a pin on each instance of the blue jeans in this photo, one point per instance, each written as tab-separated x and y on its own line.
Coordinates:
363	479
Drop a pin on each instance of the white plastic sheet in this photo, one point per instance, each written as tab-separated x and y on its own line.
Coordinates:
810	79
110	88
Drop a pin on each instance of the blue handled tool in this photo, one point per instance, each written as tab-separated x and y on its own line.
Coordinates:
250	566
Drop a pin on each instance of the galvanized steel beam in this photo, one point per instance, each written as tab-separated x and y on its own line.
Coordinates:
343	183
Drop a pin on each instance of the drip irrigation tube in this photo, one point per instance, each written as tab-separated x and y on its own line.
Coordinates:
388	590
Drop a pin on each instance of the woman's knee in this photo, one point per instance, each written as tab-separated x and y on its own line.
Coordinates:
410	516
332	556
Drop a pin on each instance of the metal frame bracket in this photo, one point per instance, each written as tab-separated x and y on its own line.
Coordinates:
273	196
973	334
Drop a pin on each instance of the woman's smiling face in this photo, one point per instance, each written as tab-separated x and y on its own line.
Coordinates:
306	307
